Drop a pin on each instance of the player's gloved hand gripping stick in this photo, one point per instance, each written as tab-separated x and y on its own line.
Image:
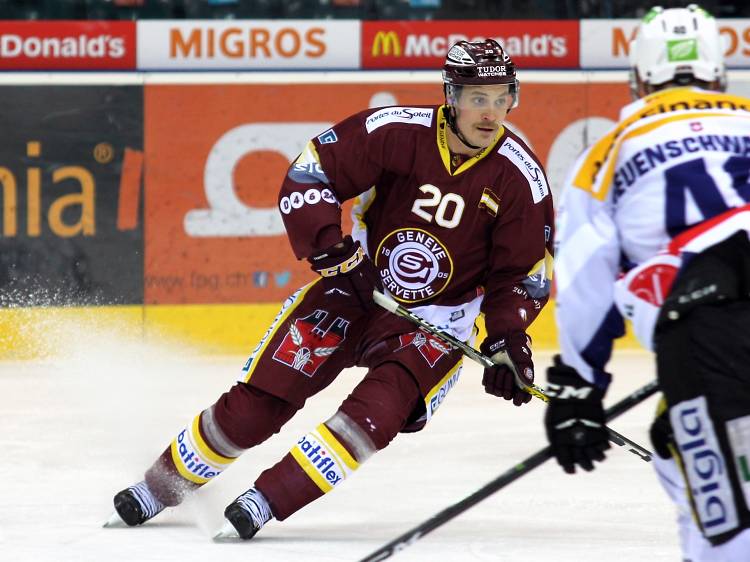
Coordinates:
511	358
501	357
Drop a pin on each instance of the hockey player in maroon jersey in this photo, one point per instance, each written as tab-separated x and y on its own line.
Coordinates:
453	216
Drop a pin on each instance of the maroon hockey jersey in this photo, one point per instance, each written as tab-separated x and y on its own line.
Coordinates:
438	235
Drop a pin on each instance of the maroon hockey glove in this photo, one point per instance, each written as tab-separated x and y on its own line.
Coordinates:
348	272
513	352
574	418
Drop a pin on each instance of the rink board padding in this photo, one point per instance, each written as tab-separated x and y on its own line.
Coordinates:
216	155
223	329
166	193
160	197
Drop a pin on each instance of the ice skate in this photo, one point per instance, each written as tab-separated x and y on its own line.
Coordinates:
245	516
134	506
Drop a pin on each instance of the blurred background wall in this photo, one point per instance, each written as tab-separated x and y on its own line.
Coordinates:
144	141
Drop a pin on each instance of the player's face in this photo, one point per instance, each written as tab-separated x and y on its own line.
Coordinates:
480	111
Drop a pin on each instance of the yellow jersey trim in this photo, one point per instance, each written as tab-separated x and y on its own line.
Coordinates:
362	208
599	189
445	153
547	263
602	156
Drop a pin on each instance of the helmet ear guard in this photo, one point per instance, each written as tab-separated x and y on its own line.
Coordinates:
680	46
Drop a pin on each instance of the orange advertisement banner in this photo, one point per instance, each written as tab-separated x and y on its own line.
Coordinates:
215	157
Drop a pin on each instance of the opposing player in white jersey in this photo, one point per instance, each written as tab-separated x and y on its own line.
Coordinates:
654	227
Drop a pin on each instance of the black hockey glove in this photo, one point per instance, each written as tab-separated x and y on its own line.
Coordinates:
574	418
348	272
511	353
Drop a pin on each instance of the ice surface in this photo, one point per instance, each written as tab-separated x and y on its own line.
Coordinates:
80	427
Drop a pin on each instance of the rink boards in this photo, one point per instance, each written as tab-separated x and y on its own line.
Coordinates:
148	200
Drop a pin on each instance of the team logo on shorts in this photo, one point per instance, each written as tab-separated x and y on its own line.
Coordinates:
414	265
308	344
429	346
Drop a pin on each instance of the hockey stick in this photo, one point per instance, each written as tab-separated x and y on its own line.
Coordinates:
524	467
392	306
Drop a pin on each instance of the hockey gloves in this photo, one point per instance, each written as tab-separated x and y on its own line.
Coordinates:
574	418
347	272
511	355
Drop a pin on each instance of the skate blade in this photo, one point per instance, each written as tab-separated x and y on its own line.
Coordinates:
227	533
114	521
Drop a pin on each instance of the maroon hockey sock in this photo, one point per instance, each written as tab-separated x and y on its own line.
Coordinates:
165	483
366	422
241	418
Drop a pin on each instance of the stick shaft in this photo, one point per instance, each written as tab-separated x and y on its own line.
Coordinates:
392	306
413	535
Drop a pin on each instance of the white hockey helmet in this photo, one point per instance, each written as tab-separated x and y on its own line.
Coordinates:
678	45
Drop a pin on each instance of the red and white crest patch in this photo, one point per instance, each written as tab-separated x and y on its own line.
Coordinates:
308	345
653	282
431	348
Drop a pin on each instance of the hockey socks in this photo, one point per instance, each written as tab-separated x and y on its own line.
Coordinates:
136	505
199	453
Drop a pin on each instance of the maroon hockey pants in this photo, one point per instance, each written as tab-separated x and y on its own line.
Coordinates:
379	405
314	338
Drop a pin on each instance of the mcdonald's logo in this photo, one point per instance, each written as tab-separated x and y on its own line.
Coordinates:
386	43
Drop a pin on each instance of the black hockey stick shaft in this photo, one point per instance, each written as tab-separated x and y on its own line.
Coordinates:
410	537
392	306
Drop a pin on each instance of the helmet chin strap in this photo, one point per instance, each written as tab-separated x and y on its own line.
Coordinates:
450	117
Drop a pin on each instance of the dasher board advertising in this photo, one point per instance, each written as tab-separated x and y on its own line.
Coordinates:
70	179
248	44
214	230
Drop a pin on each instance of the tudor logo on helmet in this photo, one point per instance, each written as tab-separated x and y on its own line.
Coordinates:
486	71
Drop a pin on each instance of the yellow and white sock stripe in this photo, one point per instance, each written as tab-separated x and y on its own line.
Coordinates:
323	458
193	457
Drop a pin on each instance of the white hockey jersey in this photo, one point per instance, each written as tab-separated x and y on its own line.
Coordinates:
676	158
